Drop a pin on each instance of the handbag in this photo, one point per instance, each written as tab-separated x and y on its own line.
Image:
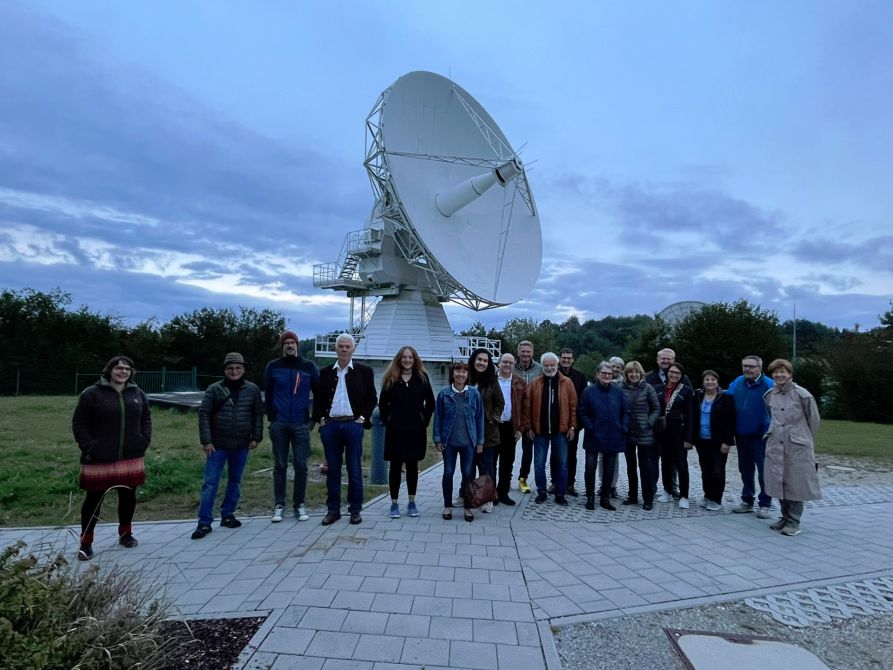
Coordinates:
660	423
480	491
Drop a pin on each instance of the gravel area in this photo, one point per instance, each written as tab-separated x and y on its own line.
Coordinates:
638	642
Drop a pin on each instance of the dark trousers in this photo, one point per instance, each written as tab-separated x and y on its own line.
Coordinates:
571	462
526	456
343	442
609	465
505	458
645	458
93	506
713	468
412	477
485	462
673	456
751	454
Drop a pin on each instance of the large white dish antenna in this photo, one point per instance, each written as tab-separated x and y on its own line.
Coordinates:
462	188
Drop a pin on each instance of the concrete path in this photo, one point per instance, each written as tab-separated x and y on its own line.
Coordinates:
424	592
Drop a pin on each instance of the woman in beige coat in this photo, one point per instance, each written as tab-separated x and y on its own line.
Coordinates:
789	470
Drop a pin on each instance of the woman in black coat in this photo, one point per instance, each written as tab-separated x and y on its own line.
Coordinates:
112	425
674	442
644	408
713	418
405	405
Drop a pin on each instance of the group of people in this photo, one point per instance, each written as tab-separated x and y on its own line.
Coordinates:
654	419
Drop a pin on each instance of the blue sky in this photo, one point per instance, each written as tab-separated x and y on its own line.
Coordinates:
160	157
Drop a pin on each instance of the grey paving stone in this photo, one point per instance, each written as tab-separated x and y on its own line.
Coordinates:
342	582
391	602
196	597
345	664
323	618
520	658
283	640
503	611
453	590
353	600
373	623
490	592
420	651
292	662
472	575
417	587
380	584
260	660
368	569
383	648
558	606
403	571
329	644
452	628
224	603
432	606
473	609
495	631
472	654
405	625
314	597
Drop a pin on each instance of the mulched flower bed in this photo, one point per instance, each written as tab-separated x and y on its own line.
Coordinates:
210	644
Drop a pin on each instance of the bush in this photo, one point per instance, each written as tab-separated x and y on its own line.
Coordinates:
54	616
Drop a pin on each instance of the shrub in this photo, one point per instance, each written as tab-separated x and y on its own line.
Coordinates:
53	615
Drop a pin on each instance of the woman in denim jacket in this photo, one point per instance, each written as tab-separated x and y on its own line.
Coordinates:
458	432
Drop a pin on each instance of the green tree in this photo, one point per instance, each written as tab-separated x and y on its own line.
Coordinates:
643	346
719	335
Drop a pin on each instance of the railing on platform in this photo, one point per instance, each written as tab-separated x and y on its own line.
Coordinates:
462	348
150	381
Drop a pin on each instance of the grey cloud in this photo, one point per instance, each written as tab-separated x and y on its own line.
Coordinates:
875	253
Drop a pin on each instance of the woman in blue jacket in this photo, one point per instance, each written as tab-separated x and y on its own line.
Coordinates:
605	418
458	433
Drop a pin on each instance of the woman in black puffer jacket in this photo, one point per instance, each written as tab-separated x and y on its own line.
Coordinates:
112	425
644	408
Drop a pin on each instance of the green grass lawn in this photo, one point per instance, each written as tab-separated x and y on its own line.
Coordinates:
39	477
865	440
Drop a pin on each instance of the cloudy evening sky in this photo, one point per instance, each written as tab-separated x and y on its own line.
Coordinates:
160	157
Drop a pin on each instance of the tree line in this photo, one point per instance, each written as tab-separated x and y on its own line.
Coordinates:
44	342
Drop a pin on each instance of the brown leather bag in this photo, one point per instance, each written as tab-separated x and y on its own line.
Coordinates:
479	491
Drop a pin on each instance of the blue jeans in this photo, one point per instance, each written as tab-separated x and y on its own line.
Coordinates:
751	454
234	460
541	443
297	436
343	441
466	454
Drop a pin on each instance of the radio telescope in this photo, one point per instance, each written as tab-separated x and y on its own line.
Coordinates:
454	219
679	311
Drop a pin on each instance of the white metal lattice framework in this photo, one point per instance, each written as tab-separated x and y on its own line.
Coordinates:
408	243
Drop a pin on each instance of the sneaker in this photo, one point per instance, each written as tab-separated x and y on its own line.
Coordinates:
458	501
664	497
277	514
541	497
561	500
778	525
590	503
647	506
201	531
85	553
487	507
743	508
790	529
522	485
411	509
764	513
301	514
630	501
127	540
572	491
683	503
395	511
713	506
230	522
703	502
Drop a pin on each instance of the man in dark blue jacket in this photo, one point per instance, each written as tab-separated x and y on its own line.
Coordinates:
288	382
751	424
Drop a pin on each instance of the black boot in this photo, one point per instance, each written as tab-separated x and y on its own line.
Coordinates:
606	504
590	502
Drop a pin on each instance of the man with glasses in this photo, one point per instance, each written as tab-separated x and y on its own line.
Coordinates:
509	426
751	424
528	370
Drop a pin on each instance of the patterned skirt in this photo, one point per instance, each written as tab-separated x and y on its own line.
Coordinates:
101	476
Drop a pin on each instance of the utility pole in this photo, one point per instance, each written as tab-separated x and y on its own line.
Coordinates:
794	361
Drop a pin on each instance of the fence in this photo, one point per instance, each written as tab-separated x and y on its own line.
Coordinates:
150	381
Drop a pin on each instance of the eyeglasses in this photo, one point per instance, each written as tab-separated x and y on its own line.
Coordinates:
122	368
748	367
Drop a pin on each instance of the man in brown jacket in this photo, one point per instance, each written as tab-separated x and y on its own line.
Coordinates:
550	419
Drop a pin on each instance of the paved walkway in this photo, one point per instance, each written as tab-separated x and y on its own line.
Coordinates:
408	593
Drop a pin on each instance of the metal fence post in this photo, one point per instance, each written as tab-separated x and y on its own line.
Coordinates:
194	378
377	473
18	378
163	377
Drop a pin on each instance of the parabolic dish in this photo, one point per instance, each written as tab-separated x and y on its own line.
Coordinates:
436	136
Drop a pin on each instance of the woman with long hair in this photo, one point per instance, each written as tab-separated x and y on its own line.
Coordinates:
713	426
482	375
112	425
675	440
458	433
405	404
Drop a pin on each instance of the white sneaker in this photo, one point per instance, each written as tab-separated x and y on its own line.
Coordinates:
487	507
301	514
703	502
713	507
664	497
277	514
764	513
458	501
683	503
